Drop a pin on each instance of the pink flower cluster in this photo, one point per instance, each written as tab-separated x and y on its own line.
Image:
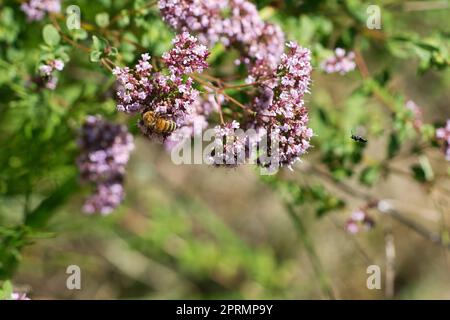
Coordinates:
48	78
236	23
202	17
443	134
280	108
106	198
359	219
264	54
105	151
279	116
186	56
36	9
341	62
172	96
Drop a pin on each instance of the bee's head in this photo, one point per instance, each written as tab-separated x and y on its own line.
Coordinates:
149	117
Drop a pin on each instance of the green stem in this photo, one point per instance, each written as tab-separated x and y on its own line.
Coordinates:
47	208
310	250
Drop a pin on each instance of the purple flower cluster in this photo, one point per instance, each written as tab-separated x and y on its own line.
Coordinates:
47	76
36	9
171	96
443	134
341	62
105	151
359	219
236	23
106	198
280	107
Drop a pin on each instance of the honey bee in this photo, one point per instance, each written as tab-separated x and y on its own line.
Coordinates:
158	124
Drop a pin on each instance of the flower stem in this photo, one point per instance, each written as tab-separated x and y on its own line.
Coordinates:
310	250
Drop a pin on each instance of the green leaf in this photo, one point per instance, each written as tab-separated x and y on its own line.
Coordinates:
79	34
96	44
383	77
216	52
100	47
64	57
428	132
418	173
423	172
397	49
46	56
48	207
95	56
330	204
6	291
369	176
323	116
124	19
393	146
113	52
102	19
106	3
51	35
426	166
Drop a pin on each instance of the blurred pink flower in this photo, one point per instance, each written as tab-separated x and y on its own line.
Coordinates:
416	113
19	296
359	219
341	62
443	134
36	9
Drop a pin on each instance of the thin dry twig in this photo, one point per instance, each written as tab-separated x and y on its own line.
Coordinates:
425	5
383	206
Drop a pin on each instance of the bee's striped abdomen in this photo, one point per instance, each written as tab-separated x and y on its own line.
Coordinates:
165	126
172	126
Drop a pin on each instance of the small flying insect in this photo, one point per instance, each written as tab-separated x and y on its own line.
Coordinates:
358	138
158	124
